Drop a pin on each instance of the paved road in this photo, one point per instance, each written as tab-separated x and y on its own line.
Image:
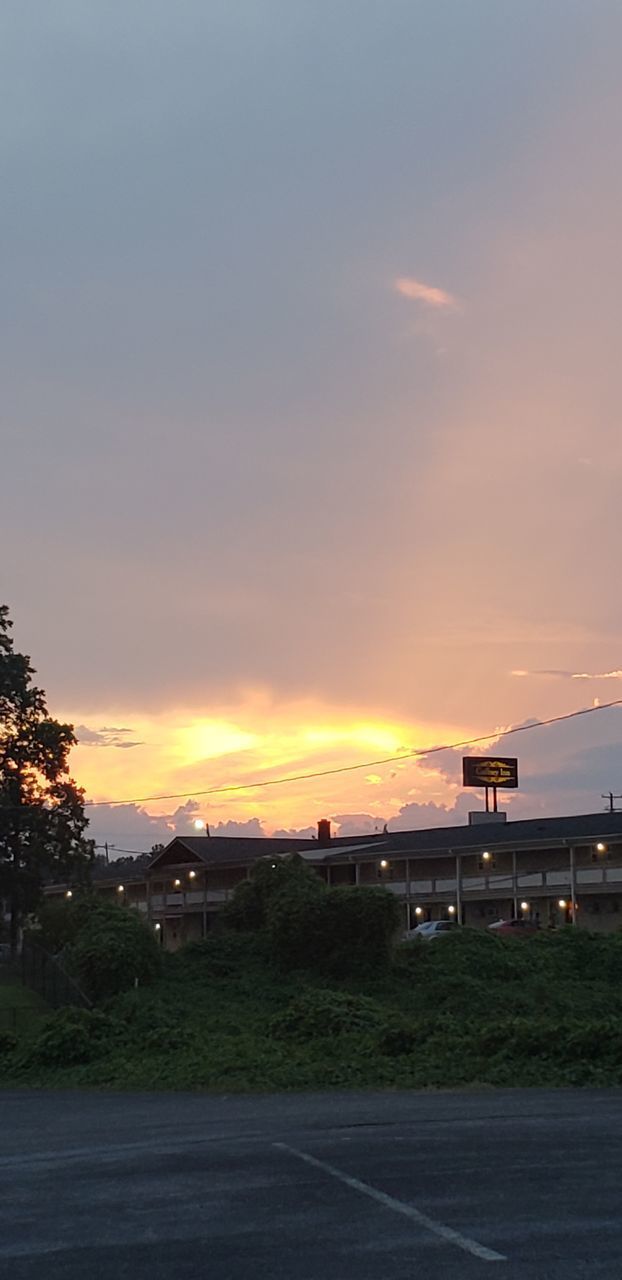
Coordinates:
311	1187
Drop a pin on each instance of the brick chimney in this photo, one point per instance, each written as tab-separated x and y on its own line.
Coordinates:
323	831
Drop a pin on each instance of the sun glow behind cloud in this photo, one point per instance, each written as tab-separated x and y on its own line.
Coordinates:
261	739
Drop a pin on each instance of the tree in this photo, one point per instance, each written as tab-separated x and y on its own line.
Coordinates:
270	878
342	932
112	950
42	819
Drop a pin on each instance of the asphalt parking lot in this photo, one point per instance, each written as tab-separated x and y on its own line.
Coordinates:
311	1187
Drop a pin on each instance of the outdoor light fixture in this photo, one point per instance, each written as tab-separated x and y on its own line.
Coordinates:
176	884
69	894
451	910
157	926
562	903
486	856
192	875
383	864
120	888
600	847
418	911
524	906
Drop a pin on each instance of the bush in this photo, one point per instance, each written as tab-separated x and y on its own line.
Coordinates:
325	1014
399	1038
113	951
150	1024
294	929
59	921
69	1037
359	928
8	1043
225	955
270	877
341	932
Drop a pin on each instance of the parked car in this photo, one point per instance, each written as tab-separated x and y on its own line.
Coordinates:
517	928
432	929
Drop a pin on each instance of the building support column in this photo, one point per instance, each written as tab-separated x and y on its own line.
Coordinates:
459	888
573	887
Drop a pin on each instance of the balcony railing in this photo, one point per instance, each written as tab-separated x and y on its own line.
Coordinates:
193	899
495	883
505	883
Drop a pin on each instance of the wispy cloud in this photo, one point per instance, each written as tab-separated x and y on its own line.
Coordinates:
107	736
573	675
429	294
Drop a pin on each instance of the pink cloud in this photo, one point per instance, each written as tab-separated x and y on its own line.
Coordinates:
426	293
573	675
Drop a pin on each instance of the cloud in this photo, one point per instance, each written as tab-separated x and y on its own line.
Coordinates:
429	294
416	816
358	824
251	827
105	737
303	833
616	674
131	828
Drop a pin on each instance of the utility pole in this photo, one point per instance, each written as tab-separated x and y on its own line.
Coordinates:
608	795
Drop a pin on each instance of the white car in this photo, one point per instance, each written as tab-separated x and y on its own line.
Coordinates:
432	929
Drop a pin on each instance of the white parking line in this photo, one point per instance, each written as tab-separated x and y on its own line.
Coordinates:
399	1206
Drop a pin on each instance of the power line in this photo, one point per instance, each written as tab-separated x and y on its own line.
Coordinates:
368	764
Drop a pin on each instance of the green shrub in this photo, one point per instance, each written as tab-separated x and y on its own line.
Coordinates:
339	933
248	908
225	955
114	950
152	1025
59	920
71	1036
294	929
325	1014
399	1038
8	1043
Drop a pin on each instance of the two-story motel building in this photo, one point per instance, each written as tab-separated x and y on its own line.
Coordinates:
549	870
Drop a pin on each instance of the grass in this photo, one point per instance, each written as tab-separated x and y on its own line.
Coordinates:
465	1010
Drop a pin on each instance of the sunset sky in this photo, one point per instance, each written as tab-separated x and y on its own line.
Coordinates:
311	392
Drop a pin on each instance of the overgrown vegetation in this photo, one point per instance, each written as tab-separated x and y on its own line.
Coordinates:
104	947
468	1009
